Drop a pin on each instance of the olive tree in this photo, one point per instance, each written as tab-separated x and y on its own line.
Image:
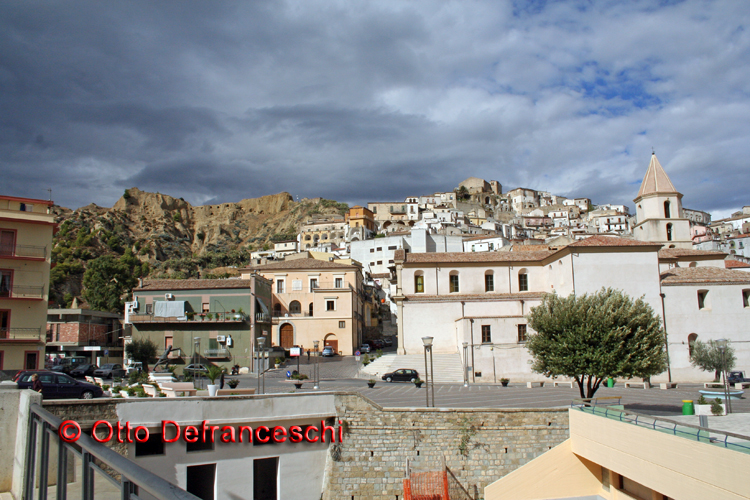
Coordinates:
708	357
142	350
595	336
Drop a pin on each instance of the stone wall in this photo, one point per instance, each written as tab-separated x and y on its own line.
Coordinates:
479	446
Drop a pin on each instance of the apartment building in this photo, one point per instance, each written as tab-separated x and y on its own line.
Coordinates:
83	332
26	229
315	300
323	231
361	217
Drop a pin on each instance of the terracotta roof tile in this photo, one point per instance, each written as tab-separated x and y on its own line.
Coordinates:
656	180
447	257
611	241
674	253
307	263
193	284
704	274
736	264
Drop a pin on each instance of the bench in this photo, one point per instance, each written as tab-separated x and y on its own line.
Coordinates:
569	383
710	385
150	390
529	385
667	385
741	385
90	379
235	392
175	389
99	380
645	385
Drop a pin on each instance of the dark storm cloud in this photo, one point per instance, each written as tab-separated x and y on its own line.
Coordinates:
368	101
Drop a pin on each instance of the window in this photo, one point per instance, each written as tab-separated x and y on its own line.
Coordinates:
313	284
330	305
666	210
392	247
279	286
204	307
486	334
342	324
199	445
150	309
419	283
7	242
702	296
745	298
489	282
669	232
339	283
523	282
153	446
380	262
454	282
390	261
372	250
522	333
310	309
295	307
6	283
691	343
380	249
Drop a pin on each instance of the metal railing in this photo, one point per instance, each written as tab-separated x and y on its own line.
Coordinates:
123	474
22	292
220	316
21	334
303	314
716	437
31	251
217	353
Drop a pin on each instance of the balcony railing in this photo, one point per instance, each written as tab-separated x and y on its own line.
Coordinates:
27	251
113	475
22	292
34	334
221	353
216	317
279	314
262	318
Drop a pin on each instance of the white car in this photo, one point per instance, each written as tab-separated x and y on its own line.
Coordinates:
364	348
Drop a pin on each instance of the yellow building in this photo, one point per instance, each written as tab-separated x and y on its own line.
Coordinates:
26	229
360	217
315	300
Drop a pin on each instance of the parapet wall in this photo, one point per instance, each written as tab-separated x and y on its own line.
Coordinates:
479	446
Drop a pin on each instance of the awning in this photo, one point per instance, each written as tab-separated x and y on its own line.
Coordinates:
169	309
262	306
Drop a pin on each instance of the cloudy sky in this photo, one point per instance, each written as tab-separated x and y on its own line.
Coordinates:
373	100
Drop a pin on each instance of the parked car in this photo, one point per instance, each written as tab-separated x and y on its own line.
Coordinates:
60	386
110	370
66	365
328	351
388	341
736	377
81	371
134	367
403	375
364	348
21	373
194	369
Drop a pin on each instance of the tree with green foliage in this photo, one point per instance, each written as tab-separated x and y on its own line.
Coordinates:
143	350
108	280
708	357
595	336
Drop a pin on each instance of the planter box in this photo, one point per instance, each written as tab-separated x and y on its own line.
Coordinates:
706	410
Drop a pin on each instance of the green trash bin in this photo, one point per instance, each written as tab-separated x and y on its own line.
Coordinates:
610	382
687	407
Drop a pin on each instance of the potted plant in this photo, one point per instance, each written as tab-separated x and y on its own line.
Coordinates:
277	362
717	408
366	360
504	381
297	379
213	373
371	383
702	406
418	383
203	316
233	383
209	316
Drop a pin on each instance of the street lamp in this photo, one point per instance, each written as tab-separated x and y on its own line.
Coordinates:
261	365
466	367
427	341
722	345
197	360
316	368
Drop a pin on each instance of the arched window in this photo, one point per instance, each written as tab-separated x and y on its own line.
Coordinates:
693	264
277	310
691	342
310	309
419	282
669	232
523	280
487	200
666	210
295	307
489	281
454	288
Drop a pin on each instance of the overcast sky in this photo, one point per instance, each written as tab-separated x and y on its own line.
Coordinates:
373	100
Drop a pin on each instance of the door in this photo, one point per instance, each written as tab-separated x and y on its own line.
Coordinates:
265	478
333	344
287	336
7	242
4	323
66	387
31	360
6	282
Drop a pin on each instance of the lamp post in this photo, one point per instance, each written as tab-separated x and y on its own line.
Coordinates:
466	360
316	370
427	341
722	345
197	359
261	365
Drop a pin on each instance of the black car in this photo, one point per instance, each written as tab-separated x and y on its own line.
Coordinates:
403	375
82	370
737	377
110	370
60	386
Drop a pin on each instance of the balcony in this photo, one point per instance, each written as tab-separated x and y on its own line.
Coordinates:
22	292
28	334
28	252
207	317
221	353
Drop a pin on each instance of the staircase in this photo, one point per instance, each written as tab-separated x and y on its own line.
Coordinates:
448	367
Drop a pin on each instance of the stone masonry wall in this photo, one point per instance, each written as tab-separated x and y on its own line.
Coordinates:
479	446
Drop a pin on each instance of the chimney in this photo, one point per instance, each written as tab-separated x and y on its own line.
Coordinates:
140	282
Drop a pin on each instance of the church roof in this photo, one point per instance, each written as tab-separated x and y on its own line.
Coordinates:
656	180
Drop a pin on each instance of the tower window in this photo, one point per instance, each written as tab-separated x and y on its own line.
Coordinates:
486	334
454	283
702	296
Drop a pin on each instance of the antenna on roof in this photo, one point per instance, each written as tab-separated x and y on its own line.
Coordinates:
49	190
652	150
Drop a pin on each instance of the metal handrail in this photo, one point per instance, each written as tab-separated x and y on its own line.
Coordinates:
33	251
663	424
21	333
23	292
131	473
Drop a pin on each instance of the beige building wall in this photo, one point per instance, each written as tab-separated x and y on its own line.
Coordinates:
25	256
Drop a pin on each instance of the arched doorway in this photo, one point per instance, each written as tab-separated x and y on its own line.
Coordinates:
331	340
286	335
